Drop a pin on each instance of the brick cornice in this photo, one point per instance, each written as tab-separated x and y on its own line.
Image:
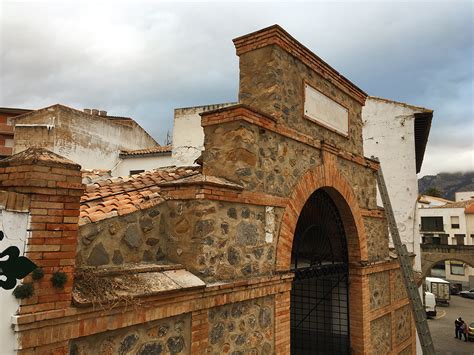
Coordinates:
275	35
222	194
248	114
73	322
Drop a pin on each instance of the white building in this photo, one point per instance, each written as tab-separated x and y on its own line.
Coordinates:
464	195
397	134
90	138
187	146
451	223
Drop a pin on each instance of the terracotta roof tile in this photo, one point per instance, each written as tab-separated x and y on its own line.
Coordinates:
122	195
147	151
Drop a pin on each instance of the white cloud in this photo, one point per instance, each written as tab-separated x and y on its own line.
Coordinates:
144	58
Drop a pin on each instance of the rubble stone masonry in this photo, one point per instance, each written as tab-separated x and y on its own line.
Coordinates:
231	224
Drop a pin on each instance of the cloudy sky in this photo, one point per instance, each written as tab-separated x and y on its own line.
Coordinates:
143	59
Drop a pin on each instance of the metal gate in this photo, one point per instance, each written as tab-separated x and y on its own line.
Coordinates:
319	295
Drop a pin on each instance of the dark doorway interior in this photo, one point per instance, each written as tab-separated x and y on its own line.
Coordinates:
319	296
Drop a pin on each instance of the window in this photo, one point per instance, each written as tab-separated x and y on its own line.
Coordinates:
439	270
134	172
459	239
432	224
455	222
457	268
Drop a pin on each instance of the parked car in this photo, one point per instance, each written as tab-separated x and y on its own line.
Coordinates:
470	332
454	289
467	294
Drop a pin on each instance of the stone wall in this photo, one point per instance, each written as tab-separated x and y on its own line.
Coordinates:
363	182
379	286
381	335
258	159
272	80
132	238
166	336
377	238
221	240
242	328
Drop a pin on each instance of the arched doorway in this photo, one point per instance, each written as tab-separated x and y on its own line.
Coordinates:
320	290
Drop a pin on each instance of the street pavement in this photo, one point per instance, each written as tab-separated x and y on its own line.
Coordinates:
442	328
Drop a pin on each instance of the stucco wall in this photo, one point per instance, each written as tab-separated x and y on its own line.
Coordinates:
142	163
14	226
188	135
388	133
92	141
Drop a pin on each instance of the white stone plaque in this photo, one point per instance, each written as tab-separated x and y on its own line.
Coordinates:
325	111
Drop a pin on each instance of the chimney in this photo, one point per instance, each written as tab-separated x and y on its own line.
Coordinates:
103	113
95	112
87	110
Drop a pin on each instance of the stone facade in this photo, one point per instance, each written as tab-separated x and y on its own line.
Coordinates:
166	336
231	223
117	241
242	328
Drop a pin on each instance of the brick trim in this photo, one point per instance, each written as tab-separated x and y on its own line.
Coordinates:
275	35
220	194
199	331
282	323
375	213
247	114
326	176
39	329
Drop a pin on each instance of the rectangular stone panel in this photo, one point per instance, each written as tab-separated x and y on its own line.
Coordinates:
377	238
402	324
165	336
243	327
399	290
379	286
381	335
325	111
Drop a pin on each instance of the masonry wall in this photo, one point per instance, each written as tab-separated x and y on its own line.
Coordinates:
166	336
272	80
136	237
91	141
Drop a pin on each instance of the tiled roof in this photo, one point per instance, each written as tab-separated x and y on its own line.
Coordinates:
146	151
90	176
458	204
122	195
427	198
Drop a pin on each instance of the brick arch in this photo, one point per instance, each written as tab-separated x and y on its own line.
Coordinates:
328	177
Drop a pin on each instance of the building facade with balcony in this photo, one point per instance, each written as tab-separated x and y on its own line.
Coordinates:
7	129
451	223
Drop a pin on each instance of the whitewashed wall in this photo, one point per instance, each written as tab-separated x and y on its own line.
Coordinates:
14	226
188	135
142	163
92	141
389	134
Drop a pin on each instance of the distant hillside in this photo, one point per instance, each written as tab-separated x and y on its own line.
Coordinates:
448	183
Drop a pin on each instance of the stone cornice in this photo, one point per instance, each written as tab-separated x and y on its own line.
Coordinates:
275	35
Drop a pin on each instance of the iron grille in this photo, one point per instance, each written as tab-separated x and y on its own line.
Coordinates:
319	295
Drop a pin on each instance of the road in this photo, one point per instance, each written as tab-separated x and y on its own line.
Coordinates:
442	328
